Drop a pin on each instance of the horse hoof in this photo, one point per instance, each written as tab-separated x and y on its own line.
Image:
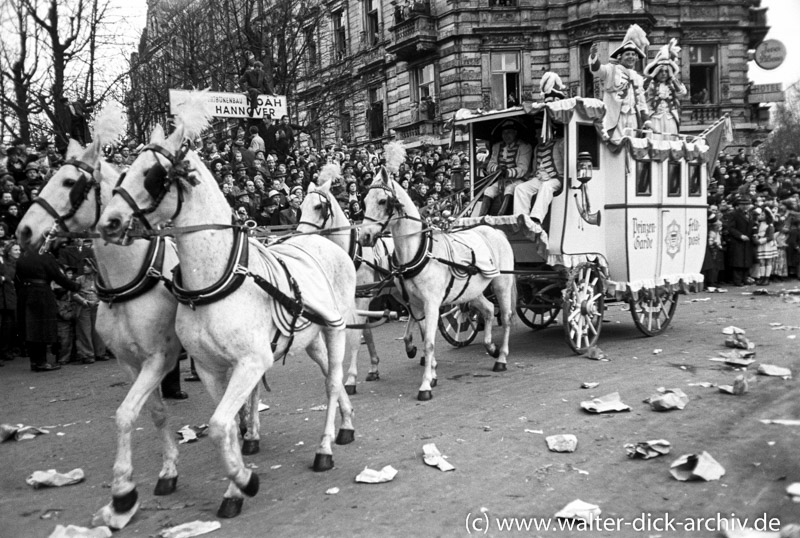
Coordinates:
350	389
252	486
424	395
434	382
493	350
422	361
411	352
345	436
242	429
373	376
499	367
165	486
230	507
323	462
125	502
250	447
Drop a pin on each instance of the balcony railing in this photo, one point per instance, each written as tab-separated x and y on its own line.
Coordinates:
414	36
701	114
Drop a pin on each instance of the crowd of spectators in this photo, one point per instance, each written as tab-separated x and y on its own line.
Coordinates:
264	172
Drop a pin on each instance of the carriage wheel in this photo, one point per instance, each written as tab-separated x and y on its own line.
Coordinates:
653	311
458	324
584	302
536	309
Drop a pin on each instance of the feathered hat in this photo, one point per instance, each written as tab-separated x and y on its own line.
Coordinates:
635	40
667	57
552	87
510	124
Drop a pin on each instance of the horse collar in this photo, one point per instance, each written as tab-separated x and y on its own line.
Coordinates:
150	274
420	260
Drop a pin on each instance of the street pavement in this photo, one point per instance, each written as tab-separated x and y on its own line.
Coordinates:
487	425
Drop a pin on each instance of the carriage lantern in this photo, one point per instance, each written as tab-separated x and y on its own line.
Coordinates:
584	166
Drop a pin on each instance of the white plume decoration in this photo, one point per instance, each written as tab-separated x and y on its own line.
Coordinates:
329	173
109	124
395	153
193	115
639	38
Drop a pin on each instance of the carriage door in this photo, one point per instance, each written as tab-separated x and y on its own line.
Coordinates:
673	225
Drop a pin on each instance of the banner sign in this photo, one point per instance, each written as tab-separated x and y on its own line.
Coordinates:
233	105
770	54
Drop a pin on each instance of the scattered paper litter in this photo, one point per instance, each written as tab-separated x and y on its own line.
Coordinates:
322	407
704	384
595	353
190	434
696	467
793	491
193	528
648	449
20	432
700	300
589	384
781	421
605	404
74	531
262	406
434	458
739	341
107	516
667	400
657	351
370	476
540	432
732	330
579	509
740	386
53	478
562	443
331	491
776	371
273	467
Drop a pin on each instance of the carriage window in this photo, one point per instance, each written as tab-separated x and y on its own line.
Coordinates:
695	180
674	179
643	178
589	142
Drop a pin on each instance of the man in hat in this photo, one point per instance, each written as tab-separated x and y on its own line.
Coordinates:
291	215
548	159
623	87
512	158
739	227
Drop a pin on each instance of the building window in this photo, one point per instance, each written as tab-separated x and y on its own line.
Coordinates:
674	178
372	22
344	124
505	79
375	112
502	3
695	180
587	78
703	74
311	46
643	178
425	83
339	35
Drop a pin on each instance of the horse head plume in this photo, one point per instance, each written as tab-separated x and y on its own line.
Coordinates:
193	116
329	173
395	153
109	124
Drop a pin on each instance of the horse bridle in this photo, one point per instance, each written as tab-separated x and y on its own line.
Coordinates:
325	211
78	193
157	183
392	203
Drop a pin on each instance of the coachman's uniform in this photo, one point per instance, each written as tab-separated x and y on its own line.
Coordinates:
516	158
548	177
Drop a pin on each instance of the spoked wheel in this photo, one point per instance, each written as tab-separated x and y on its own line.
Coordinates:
653	310
584	302
538	307
458	324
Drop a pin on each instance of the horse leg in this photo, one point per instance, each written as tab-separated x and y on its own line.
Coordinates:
374	360
353	343
408	337
252	437
222	429
428	327
146	379
505	289
319	351
486	309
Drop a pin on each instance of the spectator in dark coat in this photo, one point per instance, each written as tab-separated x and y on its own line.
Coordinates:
10	343
36	304
740	254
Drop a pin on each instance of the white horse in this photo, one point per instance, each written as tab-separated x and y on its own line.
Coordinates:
228	322
319	212
438	268
136	320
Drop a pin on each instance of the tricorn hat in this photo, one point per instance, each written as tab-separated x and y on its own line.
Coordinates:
667	57
635	40
509	124
552	87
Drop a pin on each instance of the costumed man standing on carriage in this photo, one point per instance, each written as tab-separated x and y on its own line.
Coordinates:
548	159
664	90
623	87
512	158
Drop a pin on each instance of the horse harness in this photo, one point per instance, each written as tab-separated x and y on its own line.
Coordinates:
78	193
149	275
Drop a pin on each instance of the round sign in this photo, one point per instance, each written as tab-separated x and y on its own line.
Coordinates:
770	54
